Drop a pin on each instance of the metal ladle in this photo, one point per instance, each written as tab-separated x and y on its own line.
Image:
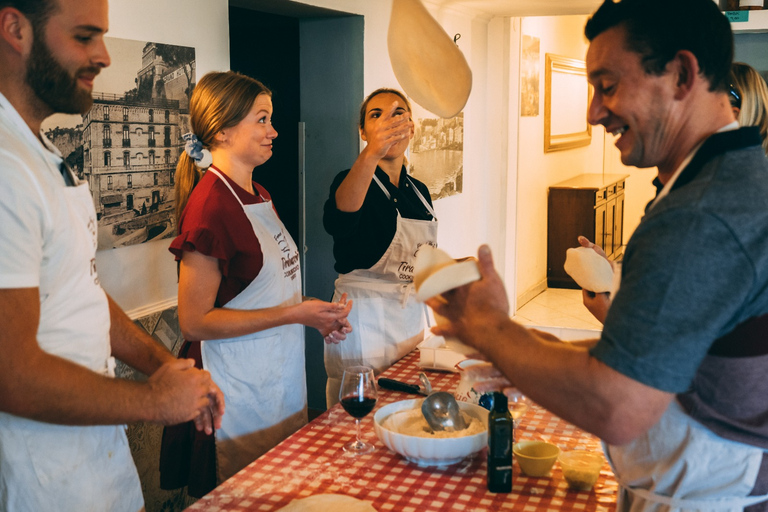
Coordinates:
442	412
425	382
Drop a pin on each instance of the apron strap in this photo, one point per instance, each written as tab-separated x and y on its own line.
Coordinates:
711	504
415	189
217	173
424	201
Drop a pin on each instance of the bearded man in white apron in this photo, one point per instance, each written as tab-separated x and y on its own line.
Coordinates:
379	217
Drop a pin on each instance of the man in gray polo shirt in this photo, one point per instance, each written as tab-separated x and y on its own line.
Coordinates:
676	384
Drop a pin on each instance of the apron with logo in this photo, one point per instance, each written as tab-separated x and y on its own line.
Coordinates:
262	374
387	320
74	467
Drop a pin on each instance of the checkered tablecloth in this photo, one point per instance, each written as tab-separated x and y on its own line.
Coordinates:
312	462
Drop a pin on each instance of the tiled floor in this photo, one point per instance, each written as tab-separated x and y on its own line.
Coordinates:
557	307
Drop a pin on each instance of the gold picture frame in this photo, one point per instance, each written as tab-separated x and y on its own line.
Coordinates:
566	100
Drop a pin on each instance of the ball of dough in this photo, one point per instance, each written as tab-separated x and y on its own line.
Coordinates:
590	270
435	272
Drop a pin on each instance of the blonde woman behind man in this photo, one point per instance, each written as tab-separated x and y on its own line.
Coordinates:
749	98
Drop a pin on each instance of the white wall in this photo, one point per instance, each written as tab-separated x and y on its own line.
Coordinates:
142	278
537	170
561	35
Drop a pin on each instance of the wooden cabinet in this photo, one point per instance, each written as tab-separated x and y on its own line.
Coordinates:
591	205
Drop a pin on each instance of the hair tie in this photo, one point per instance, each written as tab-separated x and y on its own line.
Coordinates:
194	148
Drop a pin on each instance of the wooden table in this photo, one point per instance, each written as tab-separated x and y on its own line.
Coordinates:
312	461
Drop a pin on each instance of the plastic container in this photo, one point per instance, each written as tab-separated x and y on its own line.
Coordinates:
581	468
535	458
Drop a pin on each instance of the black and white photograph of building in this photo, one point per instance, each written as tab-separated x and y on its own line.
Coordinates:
127	145
436	152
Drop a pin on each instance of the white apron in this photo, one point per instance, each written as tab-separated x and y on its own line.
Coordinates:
680	465
262	374
387	320
45	466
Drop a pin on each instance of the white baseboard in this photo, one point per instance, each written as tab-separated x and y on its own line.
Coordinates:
157	307
530	293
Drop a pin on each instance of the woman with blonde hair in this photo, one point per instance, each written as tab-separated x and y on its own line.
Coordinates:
239	287
749	98
378	216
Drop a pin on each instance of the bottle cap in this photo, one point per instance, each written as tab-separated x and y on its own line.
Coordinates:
499	401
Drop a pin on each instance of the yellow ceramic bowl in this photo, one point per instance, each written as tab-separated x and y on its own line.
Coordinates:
535	458
581	468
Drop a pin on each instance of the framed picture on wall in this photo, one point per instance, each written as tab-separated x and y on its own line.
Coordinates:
436	152
127	145
566	100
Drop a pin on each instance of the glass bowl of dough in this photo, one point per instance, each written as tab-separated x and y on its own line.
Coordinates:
402	428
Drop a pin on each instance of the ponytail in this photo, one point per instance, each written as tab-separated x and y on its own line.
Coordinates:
219	100
187	177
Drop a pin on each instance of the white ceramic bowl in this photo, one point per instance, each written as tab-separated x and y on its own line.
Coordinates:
426	451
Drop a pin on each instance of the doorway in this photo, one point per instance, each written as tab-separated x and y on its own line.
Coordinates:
312	60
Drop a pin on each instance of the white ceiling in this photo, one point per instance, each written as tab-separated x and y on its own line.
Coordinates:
513	8
524	7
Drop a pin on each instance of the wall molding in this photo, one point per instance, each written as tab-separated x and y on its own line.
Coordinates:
157	307
530	293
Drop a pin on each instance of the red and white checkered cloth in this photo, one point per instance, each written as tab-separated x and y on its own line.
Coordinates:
312	462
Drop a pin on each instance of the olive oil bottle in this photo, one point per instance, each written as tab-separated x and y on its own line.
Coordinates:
500	433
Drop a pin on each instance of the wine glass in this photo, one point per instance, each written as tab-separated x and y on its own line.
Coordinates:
358	397
518	406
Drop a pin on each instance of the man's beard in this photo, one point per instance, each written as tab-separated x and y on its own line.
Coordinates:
53	85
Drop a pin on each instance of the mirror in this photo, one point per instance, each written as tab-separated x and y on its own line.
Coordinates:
566	100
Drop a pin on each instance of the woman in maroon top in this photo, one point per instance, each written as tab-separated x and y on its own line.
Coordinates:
239	287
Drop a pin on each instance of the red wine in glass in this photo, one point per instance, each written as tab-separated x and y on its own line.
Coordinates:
358	407
358	397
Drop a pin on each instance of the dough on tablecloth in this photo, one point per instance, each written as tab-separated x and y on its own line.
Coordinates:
328	502
590	270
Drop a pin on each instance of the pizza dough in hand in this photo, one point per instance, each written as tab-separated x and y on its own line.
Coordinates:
326	502
590	270
436	273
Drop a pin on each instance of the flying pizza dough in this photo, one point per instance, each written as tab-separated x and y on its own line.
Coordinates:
326	502
427	63
590	270
435	272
